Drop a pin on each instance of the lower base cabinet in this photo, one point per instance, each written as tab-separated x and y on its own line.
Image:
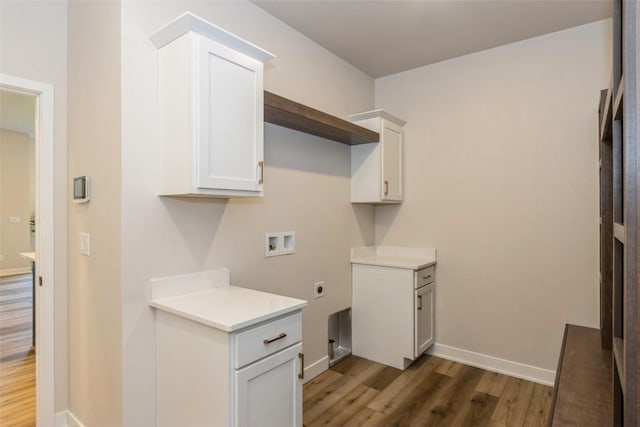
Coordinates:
424	315
207	377
392	313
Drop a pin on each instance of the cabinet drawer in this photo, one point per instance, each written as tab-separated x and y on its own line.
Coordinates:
425	276
263	340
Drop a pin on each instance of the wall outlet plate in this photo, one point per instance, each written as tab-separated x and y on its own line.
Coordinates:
318	289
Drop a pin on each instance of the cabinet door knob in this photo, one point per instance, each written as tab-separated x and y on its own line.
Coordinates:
386	188
301	374
279	337
419	302
261	166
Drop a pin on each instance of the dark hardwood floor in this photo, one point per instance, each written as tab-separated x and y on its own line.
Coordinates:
355	392
17	358
431	392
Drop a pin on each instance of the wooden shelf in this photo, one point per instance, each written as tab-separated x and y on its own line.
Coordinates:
618	356
618	231
583	378
605	118
290	114
619	101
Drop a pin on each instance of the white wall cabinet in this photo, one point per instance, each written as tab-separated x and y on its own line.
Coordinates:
377	168
392	313
210	111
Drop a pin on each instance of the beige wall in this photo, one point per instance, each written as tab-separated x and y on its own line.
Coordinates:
95	322
306	190
33	45
15	184
502	178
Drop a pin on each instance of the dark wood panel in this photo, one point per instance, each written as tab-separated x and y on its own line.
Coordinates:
293	115
618	359
606	117
630	133
583	381
431	392
606	239
618	101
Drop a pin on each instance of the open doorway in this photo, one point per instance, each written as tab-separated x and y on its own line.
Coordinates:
17	258
27	261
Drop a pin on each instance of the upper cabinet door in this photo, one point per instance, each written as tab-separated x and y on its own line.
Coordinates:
376	168
391	184
210	93
230	138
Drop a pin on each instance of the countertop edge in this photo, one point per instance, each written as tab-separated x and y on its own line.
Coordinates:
157	304
378	263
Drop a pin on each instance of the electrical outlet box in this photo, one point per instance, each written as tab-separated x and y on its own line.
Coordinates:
318	289
279	243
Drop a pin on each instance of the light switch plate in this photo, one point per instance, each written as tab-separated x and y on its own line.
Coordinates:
85	244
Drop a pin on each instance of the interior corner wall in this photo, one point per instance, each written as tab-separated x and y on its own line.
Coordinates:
33	45
307	190
501	173
95	298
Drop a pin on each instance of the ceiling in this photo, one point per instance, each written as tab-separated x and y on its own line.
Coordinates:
17	112
382	37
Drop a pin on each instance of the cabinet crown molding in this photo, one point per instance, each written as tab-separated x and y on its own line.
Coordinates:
377	113
188	22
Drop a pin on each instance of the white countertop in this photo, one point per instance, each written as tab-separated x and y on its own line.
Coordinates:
394	256
207	298
31	256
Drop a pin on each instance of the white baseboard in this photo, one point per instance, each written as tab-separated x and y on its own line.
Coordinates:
494	364
316	368
14	271
67	419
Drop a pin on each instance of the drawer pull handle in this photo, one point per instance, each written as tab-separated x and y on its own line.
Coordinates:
386	188
301	374
279	337
419	302
426	277
261	166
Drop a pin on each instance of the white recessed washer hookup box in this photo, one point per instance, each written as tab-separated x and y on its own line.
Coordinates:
279	243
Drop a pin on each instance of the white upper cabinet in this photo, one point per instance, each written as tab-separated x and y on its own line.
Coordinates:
210	111
376	168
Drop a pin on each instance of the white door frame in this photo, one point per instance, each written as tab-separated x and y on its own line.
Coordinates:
44	242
